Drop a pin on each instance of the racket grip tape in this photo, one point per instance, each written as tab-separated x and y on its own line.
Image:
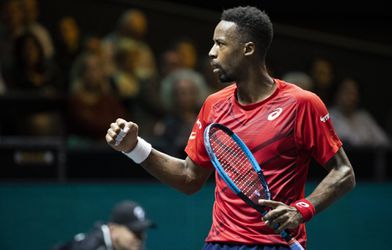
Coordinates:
294	245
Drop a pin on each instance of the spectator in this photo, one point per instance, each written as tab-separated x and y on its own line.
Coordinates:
92	103
11	27
68	45
322	73
356	127
168	83
175	128
126	230
187	52
125	78
130	62
127	85
31	13
33	76
181	54
31	71
170	61
131	29
179	63
300	79
140	95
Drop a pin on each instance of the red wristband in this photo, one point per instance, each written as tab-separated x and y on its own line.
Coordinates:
305	208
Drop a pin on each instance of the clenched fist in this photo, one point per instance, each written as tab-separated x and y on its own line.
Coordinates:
122	135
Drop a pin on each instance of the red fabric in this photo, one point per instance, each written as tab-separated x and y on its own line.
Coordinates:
305	208
283	132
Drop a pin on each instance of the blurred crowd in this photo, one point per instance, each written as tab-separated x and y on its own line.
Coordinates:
118	75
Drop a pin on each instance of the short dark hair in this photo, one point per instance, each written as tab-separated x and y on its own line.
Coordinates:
254	24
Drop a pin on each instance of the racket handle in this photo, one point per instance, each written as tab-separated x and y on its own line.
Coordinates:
293	243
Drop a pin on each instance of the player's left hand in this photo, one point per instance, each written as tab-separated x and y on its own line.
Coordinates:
281	216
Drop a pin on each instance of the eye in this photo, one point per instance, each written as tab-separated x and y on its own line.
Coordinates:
219	43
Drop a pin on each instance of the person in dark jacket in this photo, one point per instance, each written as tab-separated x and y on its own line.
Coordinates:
126	230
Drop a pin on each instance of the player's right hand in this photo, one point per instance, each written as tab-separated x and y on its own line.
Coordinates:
127	139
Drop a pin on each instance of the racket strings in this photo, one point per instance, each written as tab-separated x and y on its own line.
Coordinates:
236	165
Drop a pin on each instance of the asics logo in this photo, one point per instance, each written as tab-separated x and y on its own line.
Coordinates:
302	204
274	114
324	118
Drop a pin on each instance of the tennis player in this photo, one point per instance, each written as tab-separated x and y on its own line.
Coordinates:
283	125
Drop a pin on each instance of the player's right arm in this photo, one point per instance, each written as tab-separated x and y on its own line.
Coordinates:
183	175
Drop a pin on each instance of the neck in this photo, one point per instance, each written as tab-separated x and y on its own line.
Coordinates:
256	86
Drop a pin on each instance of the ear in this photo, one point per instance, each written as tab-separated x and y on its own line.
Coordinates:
249	48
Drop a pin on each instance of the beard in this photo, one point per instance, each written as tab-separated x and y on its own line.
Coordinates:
225	78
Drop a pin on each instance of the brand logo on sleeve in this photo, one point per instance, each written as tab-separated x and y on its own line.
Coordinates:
274	114
324	118
198	122
192	136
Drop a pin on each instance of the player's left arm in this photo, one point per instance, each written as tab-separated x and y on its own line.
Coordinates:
339	181
315	135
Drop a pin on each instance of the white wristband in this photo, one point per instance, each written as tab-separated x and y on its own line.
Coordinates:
140	152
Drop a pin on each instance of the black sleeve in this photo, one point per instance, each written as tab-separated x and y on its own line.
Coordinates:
92	241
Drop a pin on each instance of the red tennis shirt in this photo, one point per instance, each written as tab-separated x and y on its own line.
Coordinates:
283	132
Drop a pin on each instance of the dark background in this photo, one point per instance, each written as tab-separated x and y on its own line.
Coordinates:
356	38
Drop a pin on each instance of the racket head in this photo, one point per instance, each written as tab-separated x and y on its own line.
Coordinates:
236	164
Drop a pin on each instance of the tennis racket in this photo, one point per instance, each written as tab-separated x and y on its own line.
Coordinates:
239	169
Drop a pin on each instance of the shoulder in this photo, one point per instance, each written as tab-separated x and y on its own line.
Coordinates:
222	94
296	91
302	97
219	97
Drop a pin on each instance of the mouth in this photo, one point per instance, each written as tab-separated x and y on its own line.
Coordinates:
215	67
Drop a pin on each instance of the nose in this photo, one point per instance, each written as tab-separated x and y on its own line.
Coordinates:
212	53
